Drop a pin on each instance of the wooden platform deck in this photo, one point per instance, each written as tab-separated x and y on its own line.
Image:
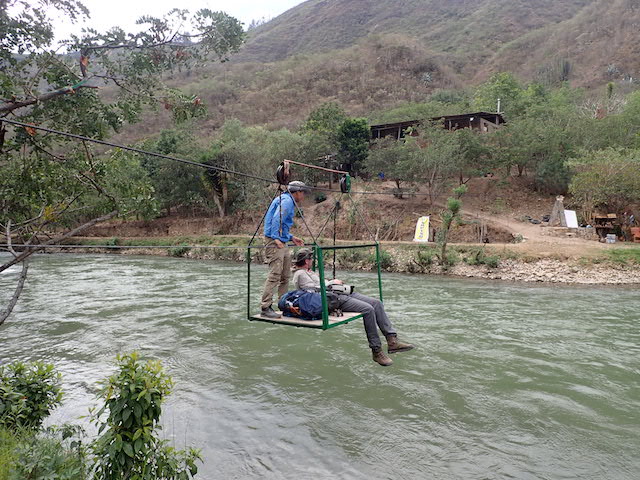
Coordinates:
299	322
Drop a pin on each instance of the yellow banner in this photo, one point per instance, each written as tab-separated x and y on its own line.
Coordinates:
422	230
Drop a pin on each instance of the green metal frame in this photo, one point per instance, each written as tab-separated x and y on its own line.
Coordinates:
319	265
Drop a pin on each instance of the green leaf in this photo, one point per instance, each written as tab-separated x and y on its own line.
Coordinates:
128	449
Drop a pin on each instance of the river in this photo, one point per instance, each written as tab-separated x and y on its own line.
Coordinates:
507	380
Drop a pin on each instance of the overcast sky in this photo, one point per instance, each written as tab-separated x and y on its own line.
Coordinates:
123	13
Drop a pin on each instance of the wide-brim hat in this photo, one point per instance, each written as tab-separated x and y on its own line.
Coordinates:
297	186
302	254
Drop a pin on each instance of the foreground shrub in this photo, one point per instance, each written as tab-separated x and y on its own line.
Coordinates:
129	446
28	393
55	453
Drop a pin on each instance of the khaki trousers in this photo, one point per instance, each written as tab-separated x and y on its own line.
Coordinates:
279	261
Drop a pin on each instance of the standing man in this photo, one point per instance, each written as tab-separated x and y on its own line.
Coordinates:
277	223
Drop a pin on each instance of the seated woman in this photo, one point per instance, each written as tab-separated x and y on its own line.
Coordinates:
372	309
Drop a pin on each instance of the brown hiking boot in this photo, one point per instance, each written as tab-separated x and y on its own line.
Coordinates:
380	357
395	345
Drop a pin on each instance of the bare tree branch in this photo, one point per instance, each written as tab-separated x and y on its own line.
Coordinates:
16	294
23	276
56	240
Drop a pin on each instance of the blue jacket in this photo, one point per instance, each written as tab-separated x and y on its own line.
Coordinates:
272	225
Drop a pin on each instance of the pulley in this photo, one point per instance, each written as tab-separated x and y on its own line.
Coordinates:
282	173
345	183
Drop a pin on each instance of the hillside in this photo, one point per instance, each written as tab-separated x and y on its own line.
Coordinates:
371	56
523	36
460	27
600	42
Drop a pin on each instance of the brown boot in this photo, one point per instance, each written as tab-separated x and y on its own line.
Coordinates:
395	346
380	357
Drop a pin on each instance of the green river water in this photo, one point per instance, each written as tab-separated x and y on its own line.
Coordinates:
507	380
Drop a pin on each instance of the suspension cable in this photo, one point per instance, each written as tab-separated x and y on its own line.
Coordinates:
136	247
212	167
137	150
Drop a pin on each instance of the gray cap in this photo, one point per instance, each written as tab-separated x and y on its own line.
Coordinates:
297	186
302	254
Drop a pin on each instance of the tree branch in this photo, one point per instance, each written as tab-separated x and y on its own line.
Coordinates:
16	294
9	107
23	276
54	241
133	45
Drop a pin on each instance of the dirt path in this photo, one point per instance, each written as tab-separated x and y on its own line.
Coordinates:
537	242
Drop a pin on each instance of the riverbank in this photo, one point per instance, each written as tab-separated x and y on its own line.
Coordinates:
610	265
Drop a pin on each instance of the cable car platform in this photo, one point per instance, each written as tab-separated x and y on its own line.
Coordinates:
333	321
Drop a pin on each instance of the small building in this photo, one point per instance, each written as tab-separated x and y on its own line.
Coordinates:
483	122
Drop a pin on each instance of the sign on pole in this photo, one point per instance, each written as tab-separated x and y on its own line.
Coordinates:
422	230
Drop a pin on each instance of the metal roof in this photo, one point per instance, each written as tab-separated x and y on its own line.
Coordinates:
409	123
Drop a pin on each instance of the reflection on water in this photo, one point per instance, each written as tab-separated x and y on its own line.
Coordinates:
507	381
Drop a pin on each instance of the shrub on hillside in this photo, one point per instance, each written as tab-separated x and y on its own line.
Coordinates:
608	179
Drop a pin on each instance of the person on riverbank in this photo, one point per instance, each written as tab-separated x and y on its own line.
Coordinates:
374	315
277	223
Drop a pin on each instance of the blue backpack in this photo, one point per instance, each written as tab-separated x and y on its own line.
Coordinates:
305	304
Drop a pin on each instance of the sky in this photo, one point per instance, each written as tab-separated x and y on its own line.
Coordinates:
123	13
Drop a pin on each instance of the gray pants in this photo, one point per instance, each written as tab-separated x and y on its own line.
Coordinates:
374	316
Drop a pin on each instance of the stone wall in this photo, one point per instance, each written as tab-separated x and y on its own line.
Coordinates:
563	232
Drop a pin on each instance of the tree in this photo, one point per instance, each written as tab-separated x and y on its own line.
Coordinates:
47	180
540	146
501	86
129	445
448	216
392	158
608	179
353	141
473	156
435	159
326	119
175	184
